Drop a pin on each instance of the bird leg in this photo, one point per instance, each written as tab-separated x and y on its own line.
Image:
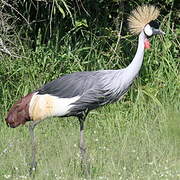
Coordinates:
82	144
33	164
83	155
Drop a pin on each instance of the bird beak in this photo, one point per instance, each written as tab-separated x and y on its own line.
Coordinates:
158	31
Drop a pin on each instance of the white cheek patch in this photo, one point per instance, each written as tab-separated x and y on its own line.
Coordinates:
43	106
148	30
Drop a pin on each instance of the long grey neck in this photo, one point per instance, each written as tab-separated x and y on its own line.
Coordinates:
132	70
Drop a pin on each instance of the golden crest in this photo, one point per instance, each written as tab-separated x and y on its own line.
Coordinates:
141	16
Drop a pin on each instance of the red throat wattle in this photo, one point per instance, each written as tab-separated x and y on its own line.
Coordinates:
147	44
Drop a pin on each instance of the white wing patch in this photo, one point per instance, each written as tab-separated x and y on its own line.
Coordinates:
43	106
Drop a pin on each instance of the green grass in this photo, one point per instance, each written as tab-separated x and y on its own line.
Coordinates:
142	143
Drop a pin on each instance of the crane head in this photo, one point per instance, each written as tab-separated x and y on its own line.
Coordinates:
143	18
152	28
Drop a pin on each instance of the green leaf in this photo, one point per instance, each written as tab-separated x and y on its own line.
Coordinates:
83	22
60	9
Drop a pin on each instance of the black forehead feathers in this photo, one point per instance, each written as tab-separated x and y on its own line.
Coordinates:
154	24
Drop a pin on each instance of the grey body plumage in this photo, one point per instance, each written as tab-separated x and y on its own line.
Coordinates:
95	88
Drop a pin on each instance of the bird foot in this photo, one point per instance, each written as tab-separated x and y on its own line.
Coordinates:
32	168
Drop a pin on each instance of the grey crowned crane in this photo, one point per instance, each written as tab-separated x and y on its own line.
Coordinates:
78	93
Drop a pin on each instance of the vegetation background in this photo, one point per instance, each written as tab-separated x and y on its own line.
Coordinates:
137	138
